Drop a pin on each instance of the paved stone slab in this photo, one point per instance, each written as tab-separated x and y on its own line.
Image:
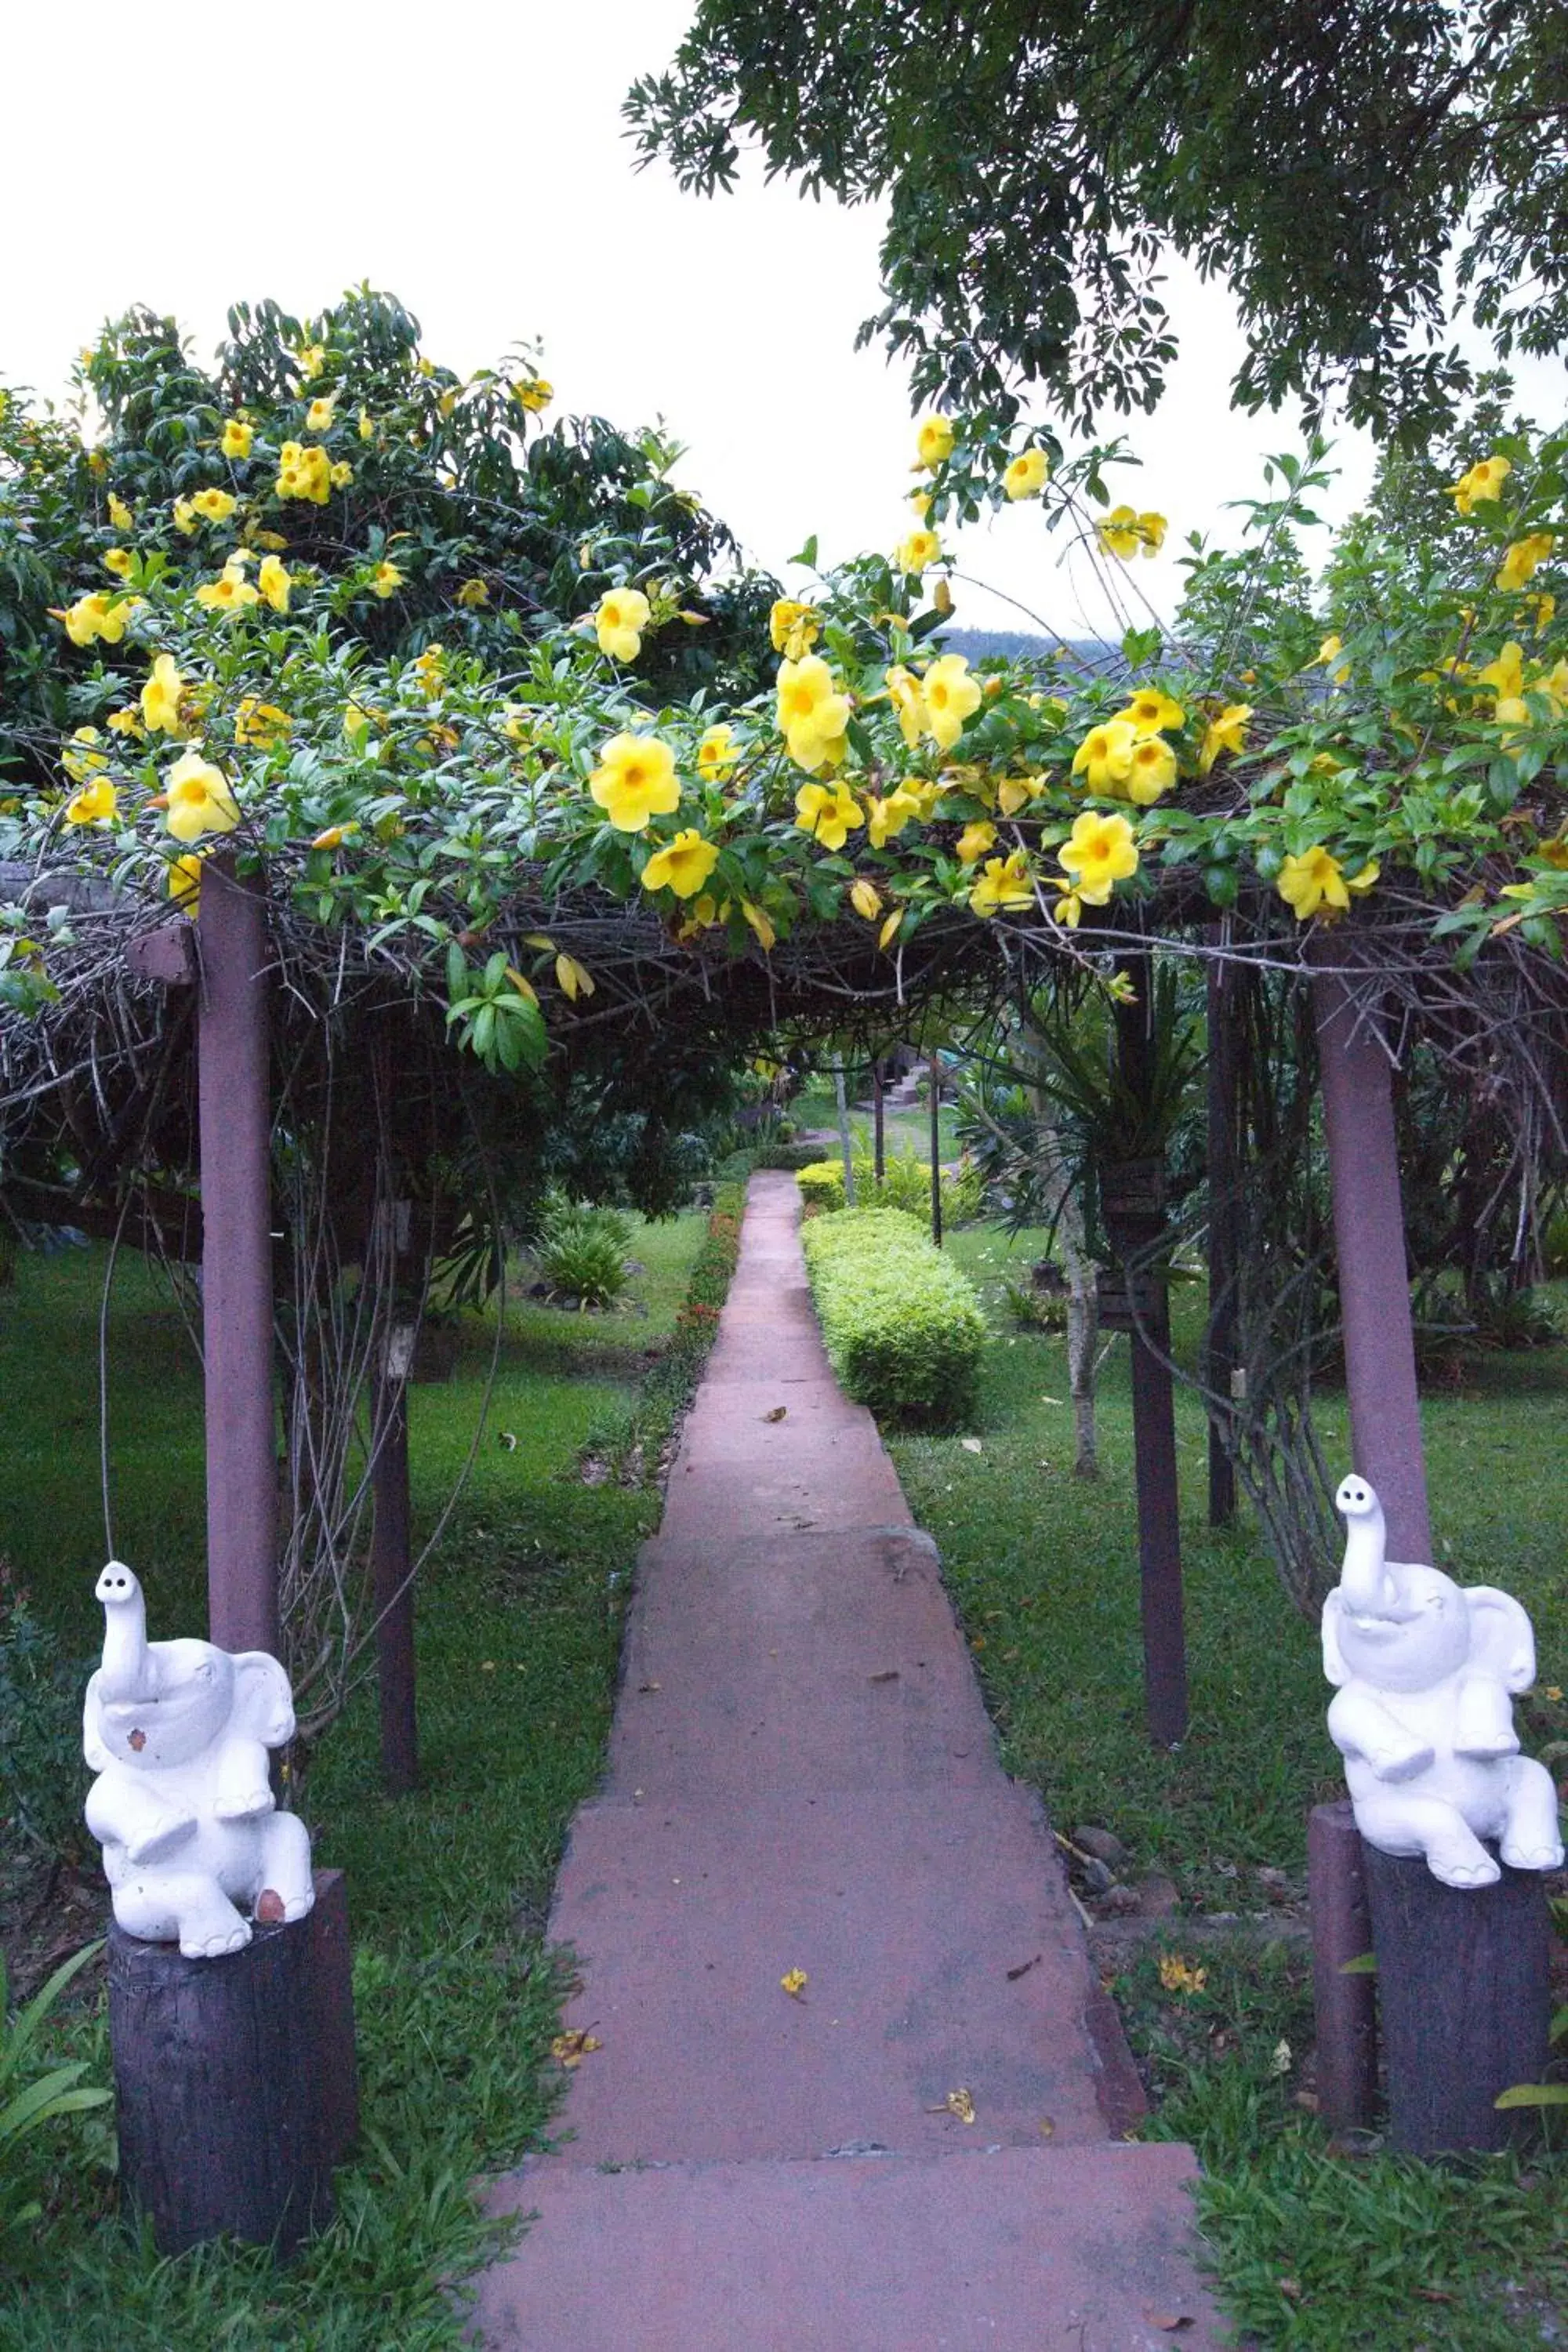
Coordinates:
1037	2250
906	1909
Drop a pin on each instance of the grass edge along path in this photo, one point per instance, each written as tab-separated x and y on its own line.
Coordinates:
458	2000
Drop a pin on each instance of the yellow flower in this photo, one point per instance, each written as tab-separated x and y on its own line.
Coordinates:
1538	609
620	621
1098	851
119	561
1178	1975
81	759
1151	711
1002	883
1315	880
96	803
1014	792
340	475
238	437
125	723
1225	733
864	899
1506	675
1153	771
767	938
635	782
1026	477
213	506
919	549
1483	483
274	583
186	884
812	714
1521	559
890	931
921	501
430	671
1151	529
716	754
1328	653
1104	757
161	697
366	426
119	514
682	865
199	799
386	579
270	541
933	442
230	592
830	813
311	356
321	414
185	518
1117	532
1068	908
951	695
356	725
473	594
96	616
886	819
303	473
259	723
794	1982
793	627
907	698
974	841
533	394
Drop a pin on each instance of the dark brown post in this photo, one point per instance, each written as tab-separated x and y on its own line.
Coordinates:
1369	1235
1134	1201
936	1149
1345	2006
878	1126
1223	1253
237	1263
391	1577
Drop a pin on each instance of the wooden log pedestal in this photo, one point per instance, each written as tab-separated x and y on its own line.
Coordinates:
1464	2001
1344	2007
235	2080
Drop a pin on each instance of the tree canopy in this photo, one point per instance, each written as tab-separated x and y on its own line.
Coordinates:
1360	172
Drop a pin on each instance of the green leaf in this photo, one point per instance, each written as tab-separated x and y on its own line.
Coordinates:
1363	1965
1533	2094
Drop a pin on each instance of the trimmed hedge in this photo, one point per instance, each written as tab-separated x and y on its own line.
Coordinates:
906	1185
903	1327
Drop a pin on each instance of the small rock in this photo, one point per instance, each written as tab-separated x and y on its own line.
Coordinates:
1102	1844
1097	1877
1157	1895
1276	1882
1119	1901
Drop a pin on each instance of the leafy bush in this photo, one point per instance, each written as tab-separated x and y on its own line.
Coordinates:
903	1327
41	1770
645	1430
582	1251
29	2100
1032	1309
905	1186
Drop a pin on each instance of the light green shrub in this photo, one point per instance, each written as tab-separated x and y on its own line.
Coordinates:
822	1184
903	1327
905	1186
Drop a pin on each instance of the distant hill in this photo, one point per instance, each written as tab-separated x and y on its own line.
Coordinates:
1008	645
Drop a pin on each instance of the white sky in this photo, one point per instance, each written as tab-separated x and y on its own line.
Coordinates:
473	163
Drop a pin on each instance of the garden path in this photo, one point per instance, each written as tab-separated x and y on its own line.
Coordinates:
803	1777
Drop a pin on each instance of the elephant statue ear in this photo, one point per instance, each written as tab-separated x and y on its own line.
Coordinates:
1334	1667
92	1746
1502	1640
263	1702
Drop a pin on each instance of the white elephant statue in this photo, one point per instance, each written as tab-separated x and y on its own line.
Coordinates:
178	1733
1423	1712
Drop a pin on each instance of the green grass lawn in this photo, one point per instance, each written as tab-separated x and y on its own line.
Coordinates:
1313	2247
518	1635
906	1131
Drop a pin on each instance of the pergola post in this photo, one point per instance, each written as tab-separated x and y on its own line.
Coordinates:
1220	1339
1369	1237
235	1111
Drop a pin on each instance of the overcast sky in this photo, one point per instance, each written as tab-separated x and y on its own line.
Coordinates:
472	161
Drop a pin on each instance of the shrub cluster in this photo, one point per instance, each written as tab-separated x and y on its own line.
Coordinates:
905	1185
42	1778
582	1251
903	1327
645	1430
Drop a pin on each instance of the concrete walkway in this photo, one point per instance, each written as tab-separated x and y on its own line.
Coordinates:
803	1777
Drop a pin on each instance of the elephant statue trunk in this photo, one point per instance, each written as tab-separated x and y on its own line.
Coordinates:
126	1671
1366	1584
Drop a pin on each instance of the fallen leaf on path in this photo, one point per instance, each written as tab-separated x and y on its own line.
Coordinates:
650	1686
1171	2321
1179	1976
892	1676
1047	2127
1023	1967
570	2048
972	1446
793	1981
777	1413
959	2103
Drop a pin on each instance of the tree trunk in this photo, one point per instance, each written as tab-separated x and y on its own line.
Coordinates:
846	1144
1223	1253
879	1125
936	1150
1063	1213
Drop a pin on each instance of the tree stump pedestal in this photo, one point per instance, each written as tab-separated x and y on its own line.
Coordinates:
235	2080
1464	2000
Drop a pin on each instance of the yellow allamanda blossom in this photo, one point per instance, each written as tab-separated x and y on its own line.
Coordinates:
812	713
1003	884
933	442
682	865
1098	852
186	884
303	473
885	818
186	520
97	803
259	723
230	592
1482	483
1104	757
213	506
717	754
1226	732
829	813
238	437
119	561
1151	771
1027	475
905	695
1315	880
619	620
340	475
793	627
864	899
274	583
1015	792
97	616
119	514
1151	710
81	759
1123	531
1521	560
758	921
920	550
636	781
198	797
385	580
473	594
974	841
951	695
161	697
321	414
